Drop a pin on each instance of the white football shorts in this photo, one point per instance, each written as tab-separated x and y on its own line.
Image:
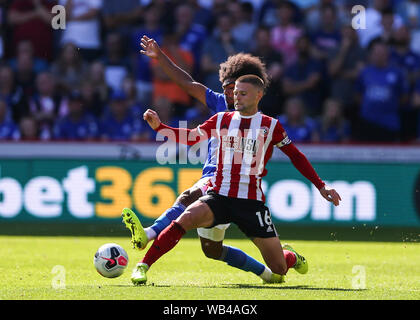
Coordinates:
216	233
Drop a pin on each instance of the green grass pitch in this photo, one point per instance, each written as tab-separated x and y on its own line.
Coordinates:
337	270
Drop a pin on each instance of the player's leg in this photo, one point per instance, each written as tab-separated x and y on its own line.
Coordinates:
212	245
272	253
254	219
140	236
182	202
280	259
196	215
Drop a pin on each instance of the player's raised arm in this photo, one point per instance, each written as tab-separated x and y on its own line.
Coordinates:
181	135
195	89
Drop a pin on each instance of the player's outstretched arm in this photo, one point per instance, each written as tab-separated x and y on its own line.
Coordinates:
301	163
180	135
195	89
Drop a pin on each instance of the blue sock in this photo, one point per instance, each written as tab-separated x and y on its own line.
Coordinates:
239	259
167	217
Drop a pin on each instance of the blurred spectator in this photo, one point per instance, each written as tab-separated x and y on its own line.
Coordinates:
303	77
25	75
77	124
29	130
285	34
45	104
218	8
190	35
387	22
99	62
69	68
96	76
304	5
217	48
116	62
383	89
4	30
402	55
8	128
333	126
142	65
409	11
92	101
327	37
121	15
409	62
298	126
120	124
374	25
244	27
25	47
163	86
165	110
270	104
9	92
31	20
415	103
313	14
196	115
128	86
345	64
83	26
267	13
202	15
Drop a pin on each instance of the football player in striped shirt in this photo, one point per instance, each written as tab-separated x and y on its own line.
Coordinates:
211	238
246	141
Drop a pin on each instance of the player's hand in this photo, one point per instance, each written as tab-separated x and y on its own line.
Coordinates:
150	47
330	195
152	118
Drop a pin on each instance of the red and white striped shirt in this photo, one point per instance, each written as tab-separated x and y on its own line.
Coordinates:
245	146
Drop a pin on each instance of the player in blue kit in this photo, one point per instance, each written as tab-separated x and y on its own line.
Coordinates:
211	238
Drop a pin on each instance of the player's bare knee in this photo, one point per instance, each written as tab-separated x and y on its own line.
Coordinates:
211	249
186	220
183	198
189	196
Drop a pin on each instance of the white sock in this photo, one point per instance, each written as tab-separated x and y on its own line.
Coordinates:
266	274
150	233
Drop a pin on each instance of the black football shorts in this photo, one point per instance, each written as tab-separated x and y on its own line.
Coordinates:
251	216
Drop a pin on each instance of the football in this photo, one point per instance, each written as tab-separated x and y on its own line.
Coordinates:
110	260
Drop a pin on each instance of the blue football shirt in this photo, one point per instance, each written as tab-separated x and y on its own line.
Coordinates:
216	102
381	90
85	128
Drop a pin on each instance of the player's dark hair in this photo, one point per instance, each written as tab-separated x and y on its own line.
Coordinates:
252	79
243	64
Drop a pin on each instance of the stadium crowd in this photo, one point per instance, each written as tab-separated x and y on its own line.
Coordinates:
329	82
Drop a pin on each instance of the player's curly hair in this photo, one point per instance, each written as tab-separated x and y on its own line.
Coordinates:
242	64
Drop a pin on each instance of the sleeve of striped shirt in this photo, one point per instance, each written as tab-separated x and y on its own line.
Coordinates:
299	160
189	136
280	137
